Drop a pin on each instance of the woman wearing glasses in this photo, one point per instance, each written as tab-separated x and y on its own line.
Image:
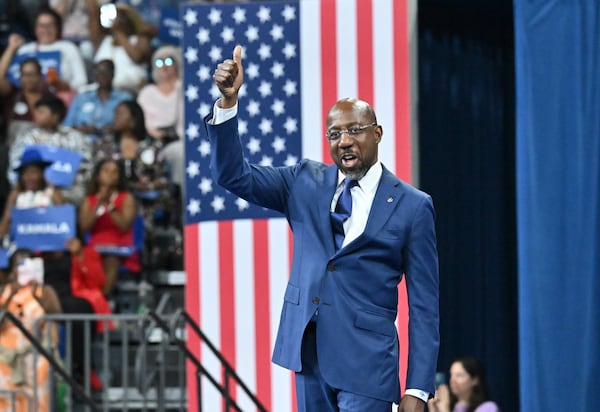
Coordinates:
162	103
162	100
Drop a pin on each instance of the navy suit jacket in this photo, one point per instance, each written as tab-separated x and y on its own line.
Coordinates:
355	289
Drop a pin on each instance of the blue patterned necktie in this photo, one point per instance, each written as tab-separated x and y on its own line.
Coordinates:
343	210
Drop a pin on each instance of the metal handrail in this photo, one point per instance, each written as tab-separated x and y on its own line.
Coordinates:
4	314
229	370
201	370
171	329
14	393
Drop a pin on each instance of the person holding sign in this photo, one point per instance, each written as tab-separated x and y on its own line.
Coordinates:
70	69
48	115
19	101
31	190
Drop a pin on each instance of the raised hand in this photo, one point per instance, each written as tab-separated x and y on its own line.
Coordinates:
441	401
229	77
15	41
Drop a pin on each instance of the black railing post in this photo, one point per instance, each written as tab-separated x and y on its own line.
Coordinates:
229	372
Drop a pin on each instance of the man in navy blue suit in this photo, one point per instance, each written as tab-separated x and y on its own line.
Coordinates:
357	229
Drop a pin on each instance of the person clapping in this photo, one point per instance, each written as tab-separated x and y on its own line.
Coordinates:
107	215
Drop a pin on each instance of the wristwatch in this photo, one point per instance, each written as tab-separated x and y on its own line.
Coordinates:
104	209
100	210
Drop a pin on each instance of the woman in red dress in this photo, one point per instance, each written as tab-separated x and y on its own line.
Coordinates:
107	214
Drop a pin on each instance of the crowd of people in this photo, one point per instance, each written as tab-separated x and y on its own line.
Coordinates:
91	80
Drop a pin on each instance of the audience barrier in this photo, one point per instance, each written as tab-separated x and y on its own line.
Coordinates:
140	361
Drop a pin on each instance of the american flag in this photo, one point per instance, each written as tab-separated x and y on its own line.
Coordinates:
299	58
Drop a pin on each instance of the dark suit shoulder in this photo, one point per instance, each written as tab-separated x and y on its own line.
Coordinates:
405	186
316	170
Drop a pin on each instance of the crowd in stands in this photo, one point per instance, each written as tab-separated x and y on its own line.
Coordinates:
86	90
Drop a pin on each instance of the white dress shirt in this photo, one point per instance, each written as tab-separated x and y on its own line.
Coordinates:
362	199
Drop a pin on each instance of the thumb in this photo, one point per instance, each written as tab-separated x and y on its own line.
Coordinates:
237	55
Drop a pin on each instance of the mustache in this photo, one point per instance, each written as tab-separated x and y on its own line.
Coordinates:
347	151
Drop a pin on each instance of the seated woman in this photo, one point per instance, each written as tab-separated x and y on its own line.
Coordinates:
107	215
28	299
162	103
145	170
31	189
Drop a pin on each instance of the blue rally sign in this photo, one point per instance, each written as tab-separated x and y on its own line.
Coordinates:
43	228
171	28
4	258
47	59
64	167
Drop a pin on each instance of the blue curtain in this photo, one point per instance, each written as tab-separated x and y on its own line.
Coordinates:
558	171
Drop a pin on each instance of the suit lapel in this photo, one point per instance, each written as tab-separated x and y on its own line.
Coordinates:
387	198
324	206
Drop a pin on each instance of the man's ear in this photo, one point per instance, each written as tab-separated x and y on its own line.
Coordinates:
378	133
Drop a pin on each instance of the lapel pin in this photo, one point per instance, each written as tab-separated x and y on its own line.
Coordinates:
390	199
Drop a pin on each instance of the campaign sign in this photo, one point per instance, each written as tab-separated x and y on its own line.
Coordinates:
3	258
170	30
64	167
43	228
46	59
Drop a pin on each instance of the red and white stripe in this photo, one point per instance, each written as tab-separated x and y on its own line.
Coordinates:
237	271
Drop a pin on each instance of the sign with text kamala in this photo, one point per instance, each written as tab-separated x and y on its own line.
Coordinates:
64	167
43	228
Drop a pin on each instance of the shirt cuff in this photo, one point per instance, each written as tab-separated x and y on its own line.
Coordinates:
221	115
417	393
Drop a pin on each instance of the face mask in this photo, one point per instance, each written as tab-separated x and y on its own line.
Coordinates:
30	269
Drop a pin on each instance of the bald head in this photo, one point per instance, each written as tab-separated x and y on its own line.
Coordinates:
360	108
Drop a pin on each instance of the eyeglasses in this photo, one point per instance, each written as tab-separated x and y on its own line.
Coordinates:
44	25
334	134
30	74
165	62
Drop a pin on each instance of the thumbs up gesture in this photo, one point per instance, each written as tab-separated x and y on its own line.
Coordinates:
229	77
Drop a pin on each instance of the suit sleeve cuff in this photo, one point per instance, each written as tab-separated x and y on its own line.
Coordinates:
417	393
222	115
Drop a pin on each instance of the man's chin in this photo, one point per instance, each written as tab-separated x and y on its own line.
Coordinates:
354	174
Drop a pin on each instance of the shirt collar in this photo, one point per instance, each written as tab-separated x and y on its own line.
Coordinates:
369	182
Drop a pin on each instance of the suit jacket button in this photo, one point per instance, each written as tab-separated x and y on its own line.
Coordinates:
316	300
331	267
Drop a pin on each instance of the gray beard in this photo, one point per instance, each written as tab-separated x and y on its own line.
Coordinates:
356	175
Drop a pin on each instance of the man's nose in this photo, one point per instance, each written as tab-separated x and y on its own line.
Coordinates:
345	138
